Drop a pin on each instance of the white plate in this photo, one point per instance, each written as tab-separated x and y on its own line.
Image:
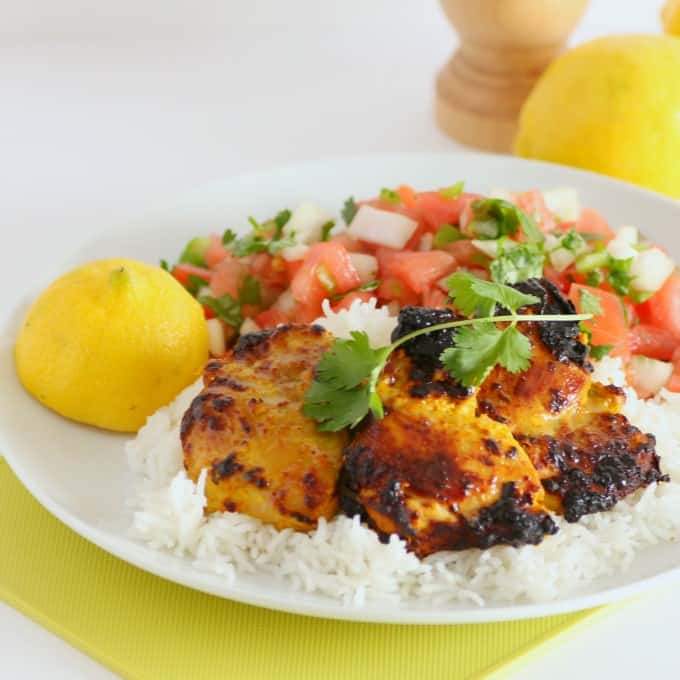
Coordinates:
79	474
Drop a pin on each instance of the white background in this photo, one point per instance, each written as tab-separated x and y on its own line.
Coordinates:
110	109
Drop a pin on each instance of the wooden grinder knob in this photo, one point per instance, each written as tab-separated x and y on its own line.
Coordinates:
505	45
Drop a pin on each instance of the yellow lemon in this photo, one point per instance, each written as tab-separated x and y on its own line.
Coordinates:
613	106
670	17
110	342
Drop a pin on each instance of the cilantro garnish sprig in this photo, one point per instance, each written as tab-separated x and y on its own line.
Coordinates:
344	389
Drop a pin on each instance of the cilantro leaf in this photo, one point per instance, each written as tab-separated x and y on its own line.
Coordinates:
594	278
495	217
228	237
349	210
474	295
522	262
281	219
598	352
619	277
447	233
195	283
454	191
349	362
225	308
335	409
589	303
164	265
326	229
390	196
250	293
479	348
573	241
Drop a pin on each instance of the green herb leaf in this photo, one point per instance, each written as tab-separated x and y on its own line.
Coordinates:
390	196
479	348
164	265
473	295
365	288
454	191
589	303
250	293
225	308
494	217
619	277
194	252
195	283
228	237
326	230
519	263
573	241
594	278
598	352
447	233
282	218
349	210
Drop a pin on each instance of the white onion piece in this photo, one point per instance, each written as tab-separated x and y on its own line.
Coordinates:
296	252
564	203
305	223
216	341
426	242
561	258
366	266
648	376
650	269
621	250
285	302
489	248
249	326
382	227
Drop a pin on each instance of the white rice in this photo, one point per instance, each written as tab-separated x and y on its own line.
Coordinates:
346	561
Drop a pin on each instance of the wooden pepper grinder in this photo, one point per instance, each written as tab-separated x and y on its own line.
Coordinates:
505	45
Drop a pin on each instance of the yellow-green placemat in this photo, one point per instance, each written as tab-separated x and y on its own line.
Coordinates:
146	628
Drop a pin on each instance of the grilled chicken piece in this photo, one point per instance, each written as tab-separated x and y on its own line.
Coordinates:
264	457
433	472
586	453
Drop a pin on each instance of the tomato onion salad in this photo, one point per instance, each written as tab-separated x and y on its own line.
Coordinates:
401	246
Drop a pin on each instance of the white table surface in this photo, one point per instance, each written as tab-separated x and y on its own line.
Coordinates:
110	109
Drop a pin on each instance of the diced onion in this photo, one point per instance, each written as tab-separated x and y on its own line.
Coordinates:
296	252
621	250
426	242
382	227
650	269
216	340
564	203
249	326
366	266
489	248
305	223
648	376
285	302
561	258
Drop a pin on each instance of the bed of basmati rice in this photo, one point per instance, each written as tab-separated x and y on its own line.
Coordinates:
346	561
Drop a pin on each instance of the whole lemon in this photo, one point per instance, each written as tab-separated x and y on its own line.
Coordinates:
613	106
670	17
110	342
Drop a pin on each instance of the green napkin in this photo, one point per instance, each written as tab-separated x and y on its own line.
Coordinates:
144	627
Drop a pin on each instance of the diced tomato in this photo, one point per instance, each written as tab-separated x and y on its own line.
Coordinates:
208	313
351	244
227	277
347	301
591	222
436	209
182	272
419	270
673	384
272	272
533	204
408	196
663	308
327	270
270	318
561	279
306	313
215	252
608	328
292	268
435	297
652	341
395	290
